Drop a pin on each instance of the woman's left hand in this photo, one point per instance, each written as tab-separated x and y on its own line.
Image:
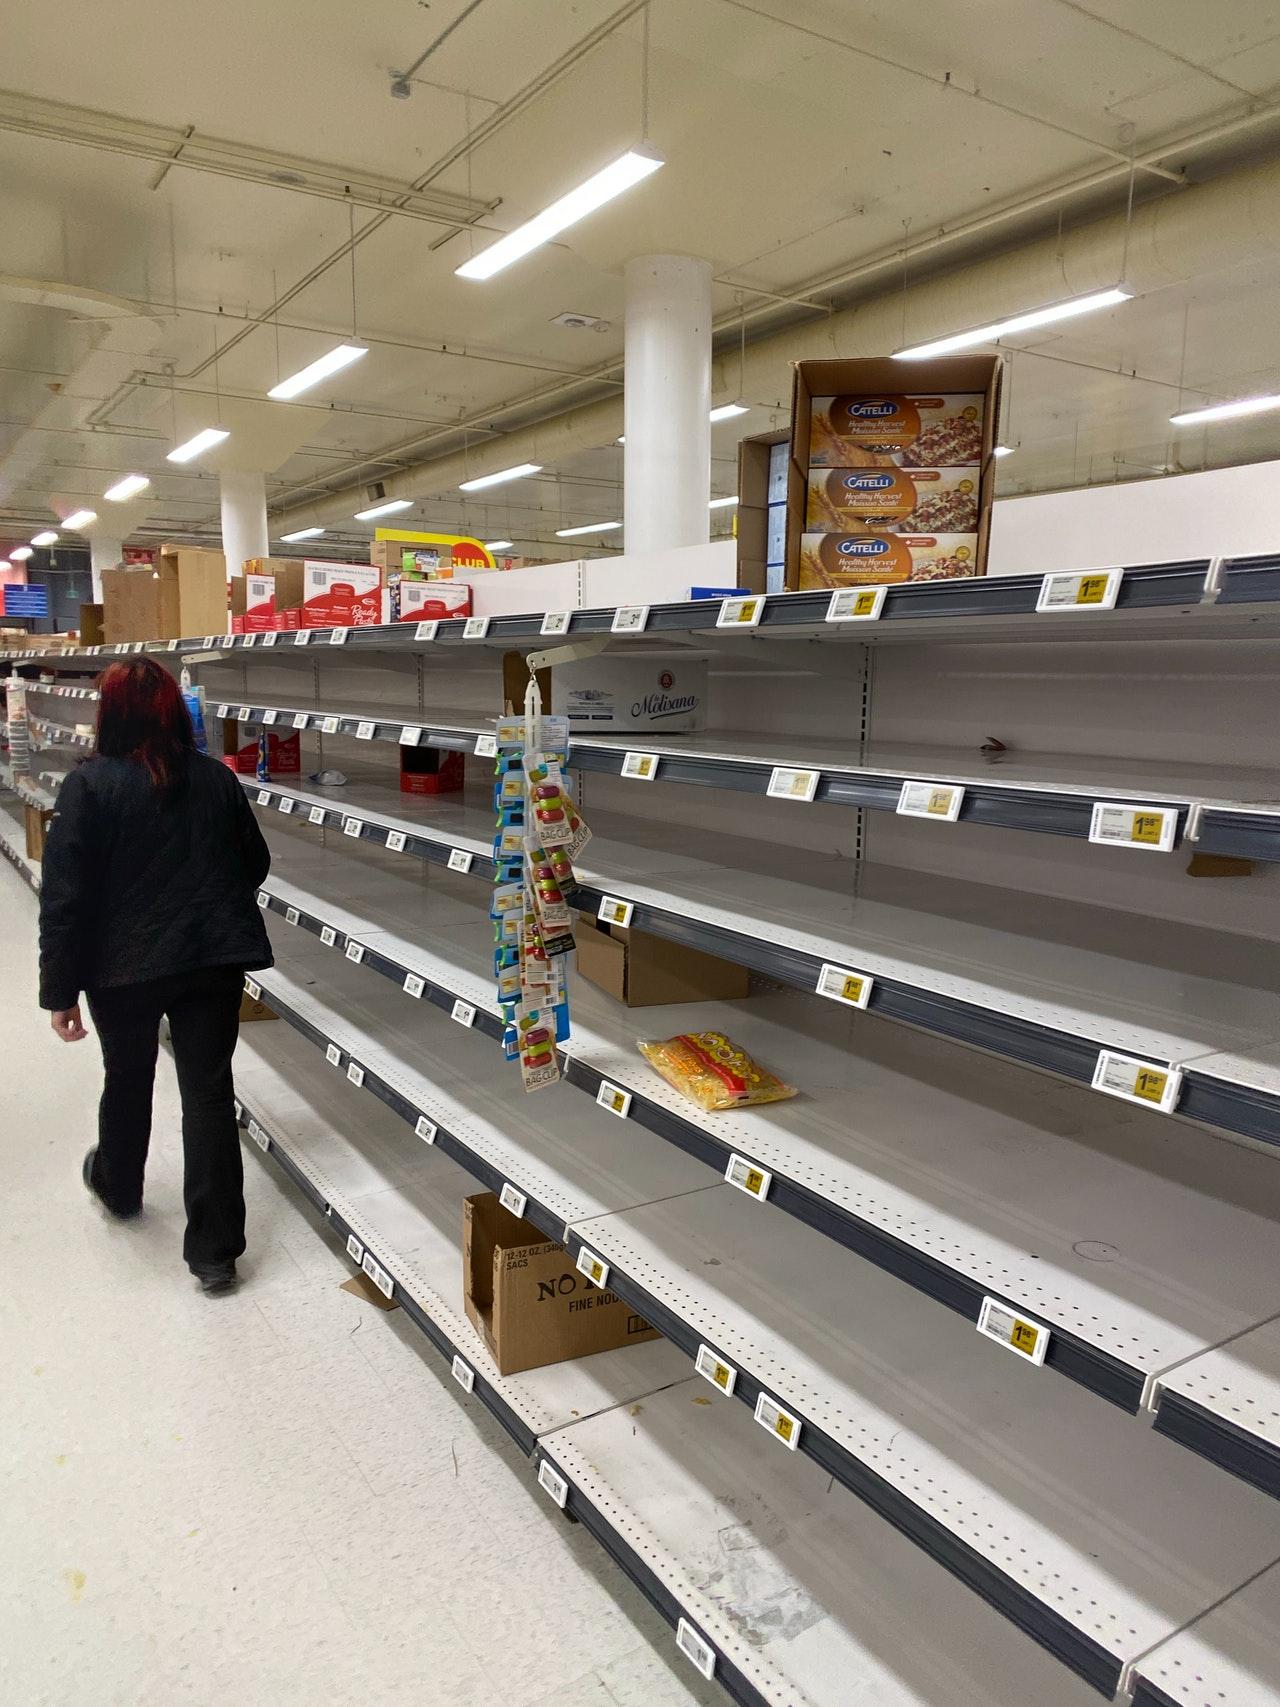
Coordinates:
68	1024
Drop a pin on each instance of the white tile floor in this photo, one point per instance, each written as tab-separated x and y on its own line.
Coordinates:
263	1499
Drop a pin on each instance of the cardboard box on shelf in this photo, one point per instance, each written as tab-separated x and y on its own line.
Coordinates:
253	602
645	971
91	625
528	1302
138	605
240	749
881	416
428	770
36	824
341	595
892	500
861	559
399	556
762	499
430	601
616	691
193	587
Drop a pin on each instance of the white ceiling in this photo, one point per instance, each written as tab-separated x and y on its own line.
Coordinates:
804	141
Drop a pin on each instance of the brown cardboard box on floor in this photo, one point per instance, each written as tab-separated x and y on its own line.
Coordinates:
646	971
526	1299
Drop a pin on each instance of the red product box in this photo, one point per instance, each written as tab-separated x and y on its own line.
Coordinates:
433	601
284	752
426	770
341	595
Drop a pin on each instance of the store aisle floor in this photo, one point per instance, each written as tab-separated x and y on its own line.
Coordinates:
269	1498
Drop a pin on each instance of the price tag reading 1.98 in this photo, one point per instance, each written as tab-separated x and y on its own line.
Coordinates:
844	985
615	912
1014	1332
856	604
1148	1083
1090	589
1125	826
748	1177
714	1369
740	613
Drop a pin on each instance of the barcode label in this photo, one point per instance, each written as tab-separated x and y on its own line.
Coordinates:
512	1199
748	1177
338	636
595	1268
270	715
301	719
355	952
779	1421
426	631
486	746
264	799
714	1369
463	1373
316	814
463	1012
333	1055
355	1074
630	619
740	613
410	736
291	915
460	860
224	711
250	640
352	826
426	1129
552	1483
396	840
996	1321
227	641
413	985
1148	1083
614	1098
366	731
695	1648
269	638
841	984
856	604
243	713
793	785
475	628
302	637
328	936
555	622
330	725
355	1250
939	800
1119	826
259	1137
1090	589
643	766
615	912
378	1275
285	804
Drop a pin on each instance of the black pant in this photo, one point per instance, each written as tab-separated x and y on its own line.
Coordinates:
204	1019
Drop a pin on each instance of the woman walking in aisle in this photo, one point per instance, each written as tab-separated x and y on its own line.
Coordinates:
148	909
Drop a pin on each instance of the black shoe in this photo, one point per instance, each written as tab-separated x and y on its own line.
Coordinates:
221	1277
86	1174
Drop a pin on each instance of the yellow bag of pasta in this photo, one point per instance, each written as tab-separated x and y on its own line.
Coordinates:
712	1071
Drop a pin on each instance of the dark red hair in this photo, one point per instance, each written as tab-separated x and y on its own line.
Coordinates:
142	716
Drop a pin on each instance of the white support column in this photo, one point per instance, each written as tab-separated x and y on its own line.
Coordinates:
104	553
244	517
667	456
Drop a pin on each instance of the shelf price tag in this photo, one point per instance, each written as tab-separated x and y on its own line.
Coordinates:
328	936
940	800
285	804
779	1421
475	628
259	1137
333	1055
1089	589
355	1250
426	631
460	860
486	746
1147	1083
595	1268
1014	1332
410	736
463	1012
270	715
615	912
695	1648
378	1275
224	711
555	622
787	784
630	619
269	638
316	814
396	840
841	984
252	990
714	1369
301	719
462	1373
227	641
302	637
552	1483
642	766
512	1200
355	1074
856	604
740	613
338	636
1125	826
264	798
614	1098
330	725
355	953
250	640
264	900
365	731
352	826
414	986
426	1129
748	1177
291	915
172	646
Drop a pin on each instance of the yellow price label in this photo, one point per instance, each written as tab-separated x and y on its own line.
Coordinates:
1150	1084
851	989
1092	590
939	801
1146	827
721	1375
865	603
1024	1337
784	1428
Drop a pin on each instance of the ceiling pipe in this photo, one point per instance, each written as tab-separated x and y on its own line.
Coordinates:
1230	220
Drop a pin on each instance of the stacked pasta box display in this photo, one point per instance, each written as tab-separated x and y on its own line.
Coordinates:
891	471
538	833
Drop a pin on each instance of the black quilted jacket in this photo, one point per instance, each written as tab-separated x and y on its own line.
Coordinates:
139	885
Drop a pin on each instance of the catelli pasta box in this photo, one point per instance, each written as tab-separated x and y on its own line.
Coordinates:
891	473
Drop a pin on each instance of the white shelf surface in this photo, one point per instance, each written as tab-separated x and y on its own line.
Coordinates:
1228	1658
1064	1497
1130	1232
1239	1384
805	1591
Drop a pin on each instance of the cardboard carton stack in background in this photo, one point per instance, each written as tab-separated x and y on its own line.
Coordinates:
183	593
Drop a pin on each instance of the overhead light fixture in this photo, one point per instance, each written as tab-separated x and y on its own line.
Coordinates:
342	355
5	563
1003	450
79	519
518	472
1017	323
129	487
591	527
721	503
628	169
726	411
498	544
387	509
203	441
302	533
21	553
1226	411
48	537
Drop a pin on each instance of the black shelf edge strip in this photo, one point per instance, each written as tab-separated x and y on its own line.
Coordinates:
1245	835
1148	1694
1221	1442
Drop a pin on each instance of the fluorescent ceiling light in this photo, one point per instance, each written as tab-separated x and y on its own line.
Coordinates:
302	533
721	503
628	169
79	519
516	473
342	355
1003	450
194	447
727	411
387	509
21	554
129	487
498	544
48	537
5	563
591	527
1226	411
1017	323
